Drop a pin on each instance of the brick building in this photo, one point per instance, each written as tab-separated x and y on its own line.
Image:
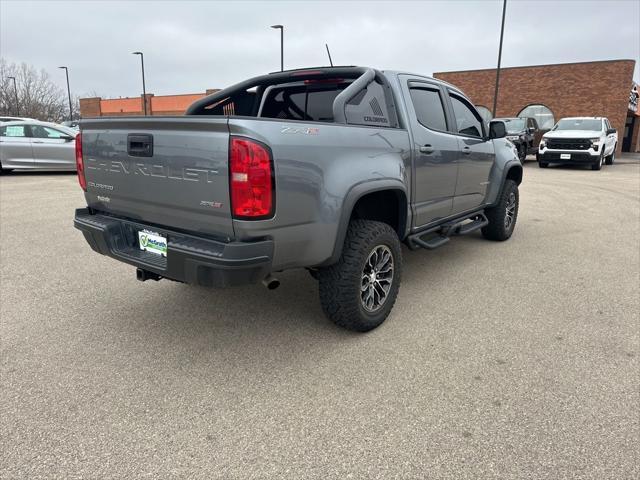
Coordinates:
550	92
156	105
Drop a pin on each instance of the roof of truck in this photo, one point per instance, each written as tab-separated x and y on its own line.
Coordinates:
581	118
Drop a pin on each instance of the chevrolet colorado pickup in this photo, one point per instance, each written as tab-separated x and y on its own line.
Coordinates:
328	169
579	140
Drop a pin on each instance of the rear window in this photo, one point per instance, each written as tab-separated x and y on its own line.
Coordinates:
296	97
243	103
301	103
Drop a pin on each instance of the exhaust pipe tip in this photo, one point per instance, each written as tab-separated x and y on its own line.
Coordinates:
271	282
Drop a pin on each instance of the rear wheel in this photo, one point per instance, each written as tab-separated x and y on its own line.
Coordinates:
359	291
502	217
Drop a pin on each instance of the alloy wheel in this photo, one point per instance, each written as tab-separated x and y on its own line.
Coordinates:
510	211
377	278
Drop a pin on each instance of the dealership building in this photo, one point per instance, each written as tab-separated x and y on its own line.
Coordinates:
544	92
129	106
551	92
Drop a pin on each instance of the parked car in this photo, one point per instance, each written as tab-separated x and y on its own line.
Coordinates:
522	132
579	140
73	124
328	169
36	145
15	119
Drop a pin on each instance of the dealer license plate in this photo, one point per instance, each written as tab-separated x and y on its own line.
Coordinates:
565	156
152	242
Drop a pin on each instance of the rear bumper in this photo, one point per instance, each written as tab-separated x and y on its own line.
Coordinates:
190	259
581	158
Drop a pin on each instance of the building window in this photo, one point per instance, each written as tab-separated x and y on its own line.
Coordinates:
542	114
485	113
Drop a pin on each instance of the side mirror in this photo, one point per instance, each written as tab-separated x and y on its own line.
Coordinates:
611	131
497	129
66	138
531	130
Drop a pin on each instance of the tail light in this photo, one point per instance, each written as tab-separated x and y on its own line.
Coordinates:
80	162
250	179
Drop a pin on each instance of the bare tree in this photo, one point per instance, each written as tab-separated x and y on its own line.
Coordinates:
38	96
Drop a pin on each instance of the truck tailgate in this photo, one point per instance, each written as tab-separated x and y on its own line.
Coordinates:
168	171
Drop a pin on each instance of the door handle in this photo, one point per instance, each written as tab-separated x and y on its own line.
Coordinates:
466	150
427	149
38	141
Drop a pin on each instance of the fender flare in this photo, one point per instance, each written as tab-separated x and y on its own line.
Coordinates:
355	193
509	166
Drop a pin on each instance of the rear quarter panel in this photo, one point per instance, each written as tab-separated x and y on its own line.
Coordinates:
320	171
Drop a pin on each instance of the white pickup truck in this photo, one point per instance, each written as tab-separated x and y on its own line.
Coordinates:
579	140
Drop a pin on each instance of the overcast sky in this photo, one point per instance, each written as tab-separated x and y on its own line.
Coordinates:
192	46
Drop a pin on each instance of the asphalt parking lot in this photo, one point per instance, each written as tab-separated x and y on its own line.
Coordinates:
500	360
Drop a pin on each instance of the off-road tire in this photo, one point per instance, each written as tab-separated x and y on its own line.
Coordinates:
340	284
611	158
497	229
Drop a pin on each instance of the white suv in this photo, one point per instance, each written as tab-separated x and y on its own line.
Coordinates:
579	140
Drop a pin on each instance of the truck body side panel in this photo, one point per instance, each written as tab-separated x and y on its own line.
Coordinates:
318	169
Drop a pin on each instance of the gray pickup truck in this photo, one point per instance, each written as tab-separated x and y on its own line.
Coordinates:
327	169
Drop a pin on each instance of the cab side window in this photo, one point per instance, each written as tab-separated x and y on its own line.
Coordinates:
429	108
13	131
468	121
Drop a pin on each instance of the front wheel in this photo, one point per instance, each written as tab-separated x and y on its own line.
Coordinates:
611	158
359	291
522	152
502	217
598	164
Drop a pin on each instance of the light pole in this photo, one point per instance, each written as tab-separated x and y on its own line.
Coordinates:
281	28
495	93
15	90
66	71
144	88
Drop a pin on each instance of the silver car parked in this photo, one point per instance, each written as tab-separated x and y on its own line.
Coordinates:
36	145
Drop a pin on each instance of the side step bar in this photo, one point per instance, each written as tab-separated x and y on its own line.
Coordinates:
438	236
